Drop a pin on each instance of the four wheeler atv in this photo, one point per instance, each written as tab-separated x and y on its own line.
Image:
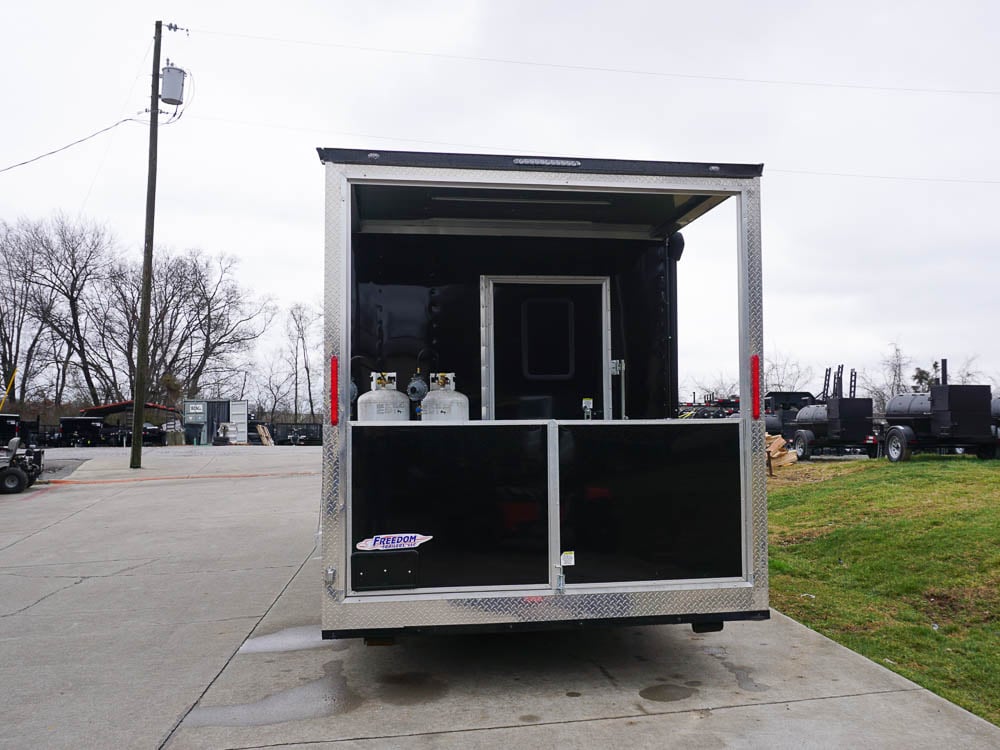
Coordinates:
19	470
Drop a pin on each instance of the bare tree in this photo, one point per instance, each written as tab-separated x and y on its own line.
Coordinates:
202	322
69	319
70	260
782	373
229	320
271	389
301	322
721	386
968	373
891	379
20	332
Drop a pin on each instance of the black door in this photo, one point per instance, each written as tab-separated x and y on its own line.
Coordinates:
548	350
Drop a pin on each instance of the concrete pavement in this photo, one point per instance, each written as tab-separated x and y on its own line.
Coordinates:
184	613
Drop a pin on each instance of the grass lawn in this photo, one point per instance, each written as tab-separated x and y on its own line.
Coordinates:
899	562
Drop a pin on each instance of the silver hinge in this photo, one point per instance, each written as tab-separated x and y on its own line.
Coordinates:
330	576
617	366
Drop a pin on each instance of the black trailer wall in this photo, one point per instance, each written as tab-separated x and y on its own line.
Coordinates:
421	293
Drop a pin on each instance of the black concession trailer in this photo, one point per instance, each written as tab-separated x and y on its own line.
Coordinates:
515	459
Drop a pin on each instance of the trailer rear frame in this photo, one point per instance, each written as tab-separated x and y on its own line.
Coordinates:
704	601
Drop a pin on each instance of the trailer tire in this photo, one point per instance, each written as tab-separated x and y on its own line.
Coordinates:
12	480
896	447
986	452
803	445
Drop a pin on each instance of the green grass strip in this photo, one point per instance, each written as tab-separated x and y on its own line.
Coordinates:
901	563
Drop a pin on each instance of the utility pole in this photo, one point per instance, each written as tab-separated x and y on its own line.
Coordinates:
142	355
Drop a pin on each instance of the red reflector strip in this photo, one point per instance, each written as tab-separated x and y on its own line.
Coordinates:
755	385
334	387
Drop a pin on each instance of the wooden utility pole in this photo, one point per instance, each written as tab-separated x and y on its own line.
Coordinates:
142	355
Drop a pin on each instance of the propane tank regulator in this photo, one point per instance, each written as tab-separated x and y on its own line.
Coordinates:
417	387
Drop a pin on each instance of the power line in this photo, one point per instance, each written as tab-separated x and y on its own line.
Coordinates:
178	112
602	69
522	149
70	145
854	175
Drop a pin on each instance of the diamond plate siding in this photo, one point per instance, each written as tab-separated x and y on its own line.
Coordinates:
750	213
335	318
398	611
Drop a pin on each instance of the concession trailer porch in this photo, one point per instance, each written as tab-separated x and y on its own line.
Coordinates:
502	449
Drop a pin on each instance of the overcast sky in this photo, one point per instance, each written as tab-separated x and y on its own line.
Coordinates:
877	130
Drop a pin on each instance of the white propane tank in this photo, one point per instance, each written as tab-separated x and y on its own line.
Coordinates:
172	91
444	403
383	403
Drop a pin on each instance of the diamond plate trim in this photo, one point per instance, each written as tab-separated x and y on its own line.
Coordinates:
335	314
750	210
354	614
339	613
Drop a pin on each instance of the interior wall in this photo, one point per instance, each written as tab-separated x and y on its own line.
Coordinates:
419	296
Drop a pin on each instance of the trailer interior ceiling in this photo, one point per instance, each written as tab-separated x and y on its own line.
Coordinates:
457	210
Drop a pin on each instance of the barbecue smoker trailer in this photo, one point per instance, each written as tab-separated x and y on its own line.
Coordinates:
551	485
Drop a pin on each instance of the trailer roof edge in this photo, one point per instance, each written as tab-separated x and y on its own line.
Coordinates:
537	163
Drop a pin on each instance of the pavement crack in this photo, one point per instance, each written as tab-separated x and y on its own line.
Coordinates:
39	601
82	577
232	656
72	562
568	722
610	677
64	518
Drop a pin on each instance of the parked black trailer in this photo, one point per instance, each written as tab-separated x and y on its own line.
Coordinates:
77	432
9	427
781	408
840	423
297	433
947	417
843	424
